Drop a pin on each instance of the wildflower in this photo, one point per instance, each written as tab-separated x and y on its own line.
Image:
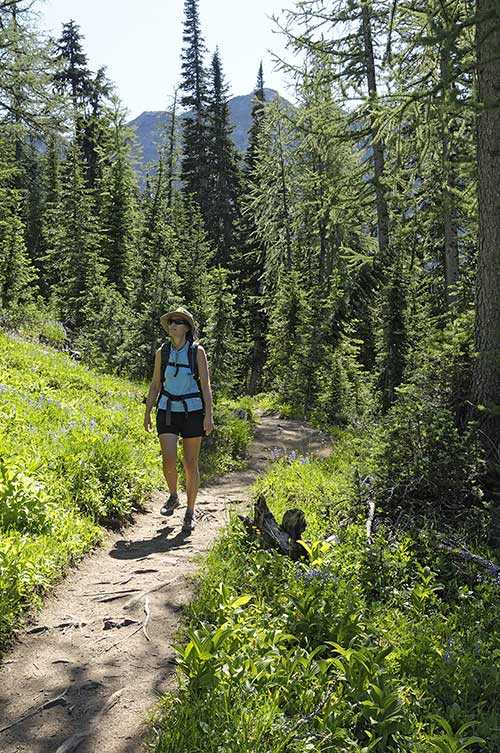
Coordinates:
447	657
292	455
303	460
313	573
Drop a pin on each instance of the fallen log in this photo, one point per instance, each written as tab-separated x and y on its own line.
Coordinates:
282	537
465	554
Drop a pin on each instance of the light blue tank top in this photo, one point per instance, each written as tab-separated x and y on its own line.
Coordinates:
182	384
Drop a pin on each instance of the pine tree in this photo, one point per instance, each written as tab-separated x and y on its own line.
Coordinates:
73	76
222	210
221	338
89	94
16	272
195	166
250	262
258	109
196	256
78	256
51	231
118	206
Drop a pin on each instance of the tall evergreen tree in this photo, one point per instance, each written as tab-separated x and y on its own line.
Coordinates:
195	165
73	75
118	205
222	210
78	256
51	232
251	260
487	333
16	272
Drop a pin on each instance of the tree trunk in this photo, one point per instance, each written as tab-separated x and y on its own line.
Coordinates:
486	378
376	144
449	221
171	151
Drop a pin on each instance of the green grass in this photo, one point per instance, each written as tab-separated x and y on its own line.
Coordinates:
386	647
74	456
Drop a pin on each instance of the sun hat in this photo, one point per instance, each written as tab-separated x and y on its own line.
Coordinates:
180	311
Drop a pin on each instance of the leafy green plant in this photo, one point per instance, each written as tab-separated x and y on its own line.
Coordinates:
452	742
24	504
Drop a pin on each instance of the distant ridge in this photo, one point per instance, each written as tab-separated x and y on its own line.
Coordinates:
151	126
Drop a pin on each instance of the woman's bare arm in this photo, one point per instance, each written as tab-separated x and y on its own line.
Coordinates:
154	391
206	389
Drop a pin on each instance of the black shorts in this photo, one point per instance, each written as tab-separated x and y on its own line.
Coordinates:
184	425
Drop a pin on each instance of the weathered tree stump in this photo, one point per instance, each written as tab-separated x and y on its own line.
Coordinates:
282	537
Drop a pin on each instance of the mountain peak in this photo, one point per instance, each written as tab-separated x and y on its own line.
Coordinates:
150	125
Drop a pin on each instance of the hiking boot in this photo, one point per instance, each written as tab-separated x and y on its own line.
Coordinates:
188	523
170	505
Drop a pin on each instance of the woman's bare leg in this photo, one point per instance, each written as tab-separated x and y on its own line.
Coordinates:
168	444
191	451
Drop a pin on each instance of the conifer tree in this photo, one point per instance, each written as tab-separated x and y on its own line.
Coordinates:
221	338
51	231
73	76
487	329
222	210
196	256
16	272
258	109
88	93
118	206
195	166
78	256
250	262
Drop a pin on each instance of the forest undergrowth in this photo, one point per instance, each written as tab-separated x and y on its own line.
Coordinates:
384	637
387	644
74	459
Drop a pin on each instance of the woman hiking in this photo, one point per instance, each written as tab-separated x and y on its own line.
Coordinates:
181	379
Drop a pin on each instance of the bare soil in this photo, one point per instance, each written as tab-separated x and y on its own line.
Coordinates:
88	673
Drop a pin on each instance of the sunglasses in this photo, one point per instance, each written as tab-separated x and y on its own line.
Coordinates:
177	321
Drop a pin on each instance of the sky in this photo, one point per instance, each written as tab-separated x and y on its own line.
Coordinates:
140	43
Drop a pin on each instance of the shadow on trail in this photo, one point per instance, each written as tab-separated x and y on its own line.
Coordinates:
72	702
142	548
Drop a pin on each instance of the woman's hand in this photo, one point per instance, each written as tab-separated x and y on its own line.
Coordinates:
208	424
148	424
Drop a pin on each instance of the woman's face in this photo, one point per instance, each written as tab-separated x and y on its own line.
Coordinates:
177	326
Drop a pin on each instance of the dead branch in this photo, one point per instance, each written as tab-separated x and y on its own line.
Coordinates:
112	595
137	598
148	614
315	712
44	628
464	554
369	521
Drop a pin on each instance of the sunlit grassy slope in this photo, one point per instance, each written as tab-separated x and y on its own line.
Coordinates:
74	456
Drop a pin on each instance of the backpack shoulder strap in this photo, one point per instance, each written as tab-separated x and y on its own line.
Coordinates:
192	358
165	355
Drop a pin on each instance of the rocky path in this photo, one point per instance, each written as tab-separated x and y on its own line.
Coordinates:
88	672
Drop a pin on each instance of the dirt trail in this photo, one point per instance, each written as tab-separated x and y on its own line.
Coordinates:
86	657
